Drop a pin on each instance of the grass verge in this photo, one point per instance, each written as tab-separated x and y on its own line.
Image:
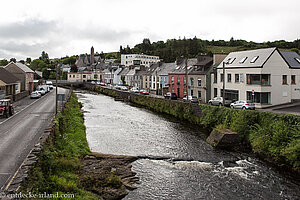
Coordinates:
60	160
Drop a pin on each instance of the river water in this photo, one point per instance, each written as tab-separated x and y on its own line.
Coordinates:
177	162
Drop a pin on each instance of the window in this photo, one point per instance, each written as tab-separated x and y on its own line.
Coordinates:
199	82
243	60
199	95
293	79
154	78
184	80
298	60
172	79
228	77
230	94
172	89
259	97
284	79
184	90
215	77
149	78
230	60
258	79
192	92
84	76
146	85
153	85
70	75
237	78
178	80
254	59
222	77
192	81
73	76
215	92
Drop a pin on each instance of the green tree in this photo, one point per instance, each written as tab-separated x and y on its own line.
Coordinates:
13	60
28	60
123	80
3	62
44	57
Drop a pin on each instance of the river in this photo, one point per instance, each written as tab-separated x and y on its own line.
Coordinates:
177	162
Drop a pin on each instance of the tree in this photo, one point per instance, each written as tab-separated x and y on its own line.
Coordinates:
28	60
3	62
44	57
13	60
22	61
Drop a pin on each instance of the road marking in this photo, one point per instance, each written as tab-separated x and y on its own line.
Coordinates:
22	109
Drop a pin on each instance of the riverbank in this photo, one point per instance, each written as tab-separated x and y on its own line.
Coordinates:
273	137
67	166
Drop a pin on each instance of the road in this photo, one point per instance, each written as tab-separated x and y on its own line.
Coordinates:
20	132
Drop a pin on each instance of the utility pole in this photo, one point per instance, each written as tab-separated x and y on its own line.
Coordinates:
223	83
56	89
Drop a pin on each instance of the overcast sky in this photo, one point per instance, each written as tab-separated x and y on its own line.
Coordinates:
71	27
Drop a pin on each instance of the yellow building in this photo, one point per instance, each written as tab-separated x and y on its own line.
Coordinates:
85	76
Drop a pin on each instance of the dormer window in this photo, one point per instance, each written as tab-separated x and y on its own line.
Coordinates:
177	67
230	60
243	60
254	59
298	60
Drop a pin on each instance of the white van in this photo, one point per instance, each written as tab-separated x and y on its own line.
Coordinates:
50	84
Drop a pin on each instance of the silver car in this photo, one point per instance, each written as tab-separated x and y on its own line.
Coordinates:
242	104
35	95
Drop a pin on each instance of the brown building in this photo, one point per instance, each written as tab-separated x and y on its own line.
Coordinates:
9	84
23	73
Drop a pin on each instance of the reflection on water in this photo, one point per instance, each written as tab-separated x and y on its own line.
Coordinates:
200	172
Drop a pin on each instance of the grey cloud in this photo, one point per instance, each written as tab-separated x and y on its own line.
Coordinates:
27	29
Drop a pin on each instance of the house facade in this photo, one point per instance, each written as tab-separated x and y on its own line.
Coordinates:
22	73
138	59
85	76
177	78
9	84
197	81
263	76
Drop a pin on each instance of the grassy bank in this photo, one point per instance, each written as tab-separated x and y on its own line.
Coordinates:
273	136
60	159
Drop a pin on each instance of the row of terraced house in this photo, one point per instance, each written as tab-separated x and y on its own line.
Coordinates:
265	76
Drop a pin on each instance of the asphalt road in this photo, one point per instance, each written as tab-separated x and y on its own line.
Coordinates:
20	132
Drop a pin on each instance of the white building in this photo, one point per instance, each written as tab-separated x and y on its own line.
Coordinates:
138	59
265	76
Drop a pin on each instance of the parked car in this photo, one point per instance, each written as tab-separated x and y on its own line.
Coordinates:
35	95
50	84
242	104
41	90
102	84
118	87
193	99
124	88
170	95
144	92
93	82
6	108
134	90
218	101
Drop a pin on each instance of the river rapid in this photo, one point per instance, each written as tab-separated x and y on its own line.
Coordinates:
176	162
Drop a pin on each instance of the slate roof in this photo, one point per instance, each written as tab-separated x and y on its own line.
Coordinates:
234	58
165	68
7	77
292	58
22	67
180	68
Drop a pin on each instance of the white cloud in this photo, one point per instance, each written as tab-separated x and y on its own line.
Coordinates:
68	27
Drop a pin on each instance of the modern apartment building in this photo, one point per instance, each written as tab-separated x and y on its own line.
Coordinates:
138	59
265	76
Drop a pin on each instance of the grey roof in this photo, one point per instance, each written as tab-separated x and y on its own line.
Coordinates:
165	68
180	68
234	58
124	71
291	58
7	77
22	67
